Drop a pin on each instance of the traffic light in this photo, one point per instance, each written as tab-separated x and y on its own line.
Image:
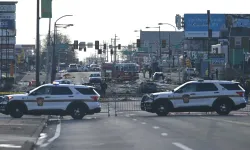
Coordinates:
138	43
97	45
111	52
99	51
84	49
104	46
119	46
75	46
163	44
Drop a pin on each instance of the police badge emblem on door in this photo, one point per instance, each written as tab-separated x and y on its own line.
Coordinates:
185	98
40	101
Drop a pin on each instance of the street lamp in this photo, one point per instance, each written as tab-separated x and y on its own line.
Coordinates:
168	24
159	39
53	73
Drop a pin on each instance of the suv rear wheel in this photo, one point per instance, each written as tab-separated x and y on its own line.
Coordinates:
77	112
223	107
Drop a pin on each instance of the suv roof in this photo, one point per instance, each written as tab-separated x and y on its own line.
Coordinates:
69	85
213	81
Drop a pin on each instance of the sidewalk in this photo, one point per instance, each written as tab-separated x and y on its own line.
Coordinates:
16	133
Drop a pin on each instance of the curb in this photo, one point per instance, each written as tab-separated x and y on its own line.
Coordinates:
30	145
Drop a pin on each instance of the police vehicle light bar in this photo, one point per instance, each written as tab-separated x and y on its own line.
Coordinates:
56	83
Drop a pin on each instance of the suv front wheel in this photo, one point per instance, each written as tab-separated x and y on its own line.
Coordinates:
223	107
77	112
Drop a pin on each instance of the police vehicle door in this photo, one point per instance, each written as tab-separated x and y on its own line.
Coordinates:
207	92
186	96
61	96
38	99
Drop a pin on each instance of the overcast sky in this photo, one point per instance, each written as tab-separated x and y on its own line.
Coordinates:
102	19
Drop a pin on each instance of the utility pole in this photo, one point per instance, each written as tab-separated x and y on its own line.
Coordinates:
112	49
47	54
115	49
38	44
208	40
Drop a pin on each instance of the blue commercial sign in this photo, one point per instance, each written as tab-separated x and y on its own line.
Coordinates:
196	24
7	24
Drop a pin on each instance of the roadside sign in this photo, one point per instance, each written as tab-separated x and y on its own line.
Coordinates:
62	46
130	47
90	45
9	32
82	45
7	24
7	40
7	8
46	8
9	16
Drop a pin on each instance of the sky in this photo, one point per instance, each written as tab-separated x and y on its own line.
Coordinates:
102	19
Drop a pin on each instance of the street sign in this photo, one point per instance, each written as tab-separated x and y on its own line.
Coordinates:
9	32
9	16
7	8
90	45
7	40
130	47
46	8
62	46
82	45
7	24
110	46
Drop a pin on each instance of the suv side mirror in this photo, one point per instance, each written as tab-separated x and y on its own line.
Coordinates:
28	92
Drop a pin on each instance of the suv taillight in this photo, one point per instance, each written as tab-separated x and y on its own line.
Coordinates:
94	98
241	94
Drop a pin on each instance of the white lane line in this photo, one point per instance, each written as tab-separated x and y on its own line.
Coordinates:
155	127
184	147
164	134
134	119
10	146
41	139
57	134
143	123
228	121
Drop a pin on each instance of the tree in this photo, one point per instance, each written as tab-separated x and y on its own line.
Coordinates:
67	56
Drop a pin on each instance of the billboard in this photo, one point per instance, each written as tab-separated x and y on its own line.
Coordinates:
196	25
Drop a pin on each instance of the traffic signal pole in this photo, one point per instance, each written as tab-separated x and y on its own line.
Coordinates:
38	44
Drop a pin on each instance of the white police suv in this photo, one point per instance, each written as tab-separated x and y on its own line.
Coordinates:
197	96
53	99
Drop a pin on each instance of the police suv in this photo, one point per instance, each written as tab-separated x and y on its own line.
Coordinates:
53	99
197	96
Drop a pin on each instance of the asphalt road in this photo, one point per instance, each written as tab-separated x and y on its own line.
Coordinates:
144	131
15	132
136	130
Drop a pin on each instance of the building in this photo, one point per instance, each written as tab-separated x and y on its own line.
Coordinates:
225	27
150	45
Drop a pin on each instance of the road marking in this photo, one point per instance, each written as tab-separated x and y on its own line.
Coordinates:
228	121
41	139
57	134
181	146
134	119
155	127
10	146
164	134
143	123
